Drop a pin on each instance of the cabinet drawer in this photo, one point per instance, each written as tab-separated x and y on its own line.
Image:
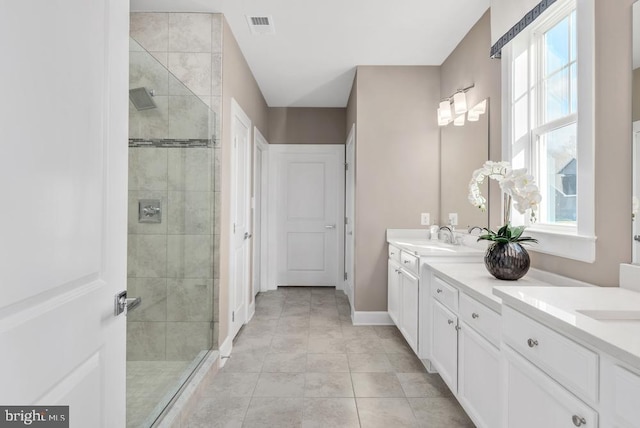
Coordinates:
445	293
572	365
409	262
482	319
394	253
626	390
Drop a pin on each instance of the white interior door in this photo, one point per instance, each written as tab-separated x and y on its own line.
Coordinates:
350	217
240	216
260	180
63	180
635	249
308	211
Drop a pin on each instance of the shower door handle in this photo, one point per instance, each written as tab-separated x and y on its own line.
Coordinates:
124	304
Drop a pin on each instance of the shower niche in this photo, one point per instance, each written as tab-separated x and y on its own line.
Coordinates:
173	231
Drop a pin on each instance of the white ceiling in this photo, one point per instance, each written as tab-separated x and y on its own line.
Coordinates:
311	60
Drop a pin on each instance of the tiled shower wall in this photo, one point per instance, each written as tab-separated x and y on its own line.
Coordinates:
173	265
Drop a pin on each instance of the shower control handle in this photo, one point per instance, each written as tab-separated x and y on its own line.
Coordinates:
150	210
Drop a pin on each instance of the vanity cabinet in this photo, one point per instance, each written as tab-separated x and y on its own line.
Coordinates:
403	294
464	337
534	400
409	316
393	290
444	355
549	372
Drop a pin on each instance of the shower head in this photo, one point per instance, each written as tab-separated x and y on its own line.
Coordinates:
142	98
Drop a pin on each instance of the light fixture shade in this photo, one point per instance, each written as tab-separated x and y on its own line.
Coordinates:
480	108
442	121
473	115
459	120
445	111
460	102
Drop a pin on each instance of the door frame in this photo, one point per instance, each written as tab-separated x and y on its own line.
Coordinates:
260	186
350	164
272	244
238	112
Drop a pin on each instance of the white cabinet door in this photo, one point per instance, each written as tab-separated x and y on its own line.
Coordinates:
393	292
534	400
445	344
478	377
409	310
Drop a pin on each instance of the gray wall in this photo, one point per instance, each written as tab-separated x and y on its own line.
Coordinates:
238	83
300	125
468	64
397	166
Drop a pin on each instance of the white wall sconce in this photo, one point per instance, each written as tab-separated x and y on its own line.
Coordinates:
460	102
473	115
446	113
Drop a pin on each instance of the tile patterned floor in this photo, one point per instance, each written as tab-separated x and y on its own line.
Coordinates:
301	363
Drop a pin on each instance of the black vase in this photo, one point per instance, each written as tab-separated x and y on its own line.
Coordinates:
508	261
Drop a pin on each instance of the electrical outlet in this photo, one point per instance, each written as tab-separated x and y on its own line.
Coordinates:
425	219
453	219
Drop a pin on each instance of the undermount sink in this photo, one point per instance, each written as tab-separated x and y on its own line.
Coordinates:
611	315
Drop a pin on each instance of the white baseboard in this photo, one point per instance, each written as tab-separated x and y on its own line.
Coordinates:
371	318
225	351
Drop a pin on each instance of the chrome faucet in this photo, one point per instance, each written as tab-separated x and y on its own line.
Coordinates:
472	228
449	238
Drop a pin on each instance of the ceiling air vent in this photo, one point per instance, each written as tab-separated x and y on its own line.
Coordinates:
261	24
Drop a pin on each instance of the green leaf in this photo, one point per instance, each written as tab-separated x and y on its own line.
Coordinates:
516	232
503	230
502	240
487	237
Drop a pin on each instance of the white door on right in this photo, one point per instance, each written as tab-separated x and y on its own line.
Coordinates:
308	210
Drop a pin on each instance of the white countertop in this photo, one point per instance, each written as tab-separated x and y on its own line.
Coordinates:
428	248
558	307
418	242
474	279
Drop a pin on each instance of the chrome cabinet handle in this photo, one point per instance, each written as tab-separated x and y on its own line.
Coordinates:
474	315
637	238
532	343
450	322
458	328
330	226
439	290
393	254
578	420
406	261
247	235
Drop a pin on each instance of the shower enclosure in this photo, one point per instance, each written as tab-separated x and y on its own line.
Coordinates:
173	235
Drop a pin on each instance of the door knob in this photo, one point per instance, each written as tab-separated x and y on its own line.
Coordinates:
124	304
578	421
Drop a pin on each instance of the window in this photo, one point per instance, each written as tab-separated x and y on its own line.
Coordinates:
548	87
